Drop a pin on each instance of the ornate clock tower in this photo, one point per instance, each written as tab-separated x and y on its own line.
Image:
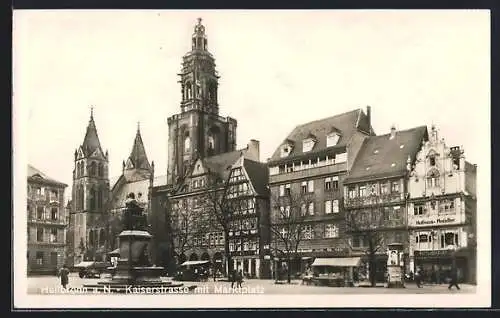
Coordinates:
198	131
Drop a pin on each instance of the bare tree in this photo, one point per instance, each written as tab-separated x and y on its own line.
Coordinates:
288	227
368	226
186	222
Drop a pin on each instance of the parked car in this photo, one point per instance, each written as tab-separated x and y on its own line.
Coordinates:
92	269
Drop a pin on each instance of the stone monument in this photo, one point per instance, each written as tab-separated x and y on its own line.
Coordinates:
134	267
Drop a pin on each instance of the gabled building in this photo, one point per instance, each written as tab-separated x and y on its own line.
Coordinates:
137	177
375	192
313	161
47	224
442	211
90	194
198	235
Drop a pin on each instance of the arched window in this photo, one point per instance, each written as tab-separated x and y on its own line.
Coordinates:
93	199
102	237
211	142
433	178
100	170
100	195
187	144
93	168
189	90
91	237
81	197
82	169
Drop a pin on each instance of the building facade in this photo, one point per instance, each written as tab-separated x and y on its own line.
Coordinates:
442	211
90	194
375	192
312	163
47	223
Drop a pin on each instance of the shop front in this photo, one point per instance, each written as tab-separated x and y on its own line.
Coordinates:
337	272
436	265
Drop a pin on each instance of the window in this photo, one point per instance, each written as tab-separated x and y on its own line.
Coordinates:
328	184
362	191
419	209
352	192
187	144
423	238
335	206
384	188
100	170
432	161
311	208
39	258
231	246
211	142
331	231
287	189
284	232
335	183
449	239
39	212
332	139
359	241
328	207
285	211
282	190
303	187
447	206
53	214
39	234
303	209
53	195
93	169
395	187
53	236
285	150
307	145
433	179
307	232
310	186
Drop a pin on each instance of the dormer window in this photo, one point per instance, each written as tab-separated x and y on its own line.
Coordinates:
332	139
307	144
286	149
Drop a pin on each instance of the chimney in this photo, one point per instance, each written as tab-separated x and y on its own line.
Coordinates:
252	152
369	116
393	132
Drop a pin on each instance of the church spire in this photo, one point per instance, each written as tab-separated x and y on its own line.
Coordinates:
138	157
91	140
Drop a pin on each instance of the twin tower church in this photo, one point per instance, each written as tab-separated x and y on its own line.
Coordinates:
198	134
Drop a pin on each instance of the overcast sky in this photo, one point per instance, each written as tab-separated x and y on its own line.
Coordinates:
278	69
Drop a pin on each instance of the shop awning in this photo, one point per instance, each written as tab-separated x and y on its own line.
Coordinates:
338	262
114	252
194	263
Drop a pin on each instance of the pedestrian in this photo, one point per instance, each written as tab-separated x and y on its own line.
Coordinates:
239	278
418	278
64	273
232	277
454	279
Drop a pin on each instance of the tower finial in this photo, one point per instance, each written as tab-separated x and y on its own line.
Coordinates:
138	126
91	111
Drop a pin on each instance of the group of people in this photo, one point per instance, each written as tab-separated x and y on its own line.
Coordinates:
419	278
236	277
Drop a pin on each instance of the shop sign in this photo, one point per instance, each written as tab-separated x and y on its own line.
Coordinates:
434	221
434	253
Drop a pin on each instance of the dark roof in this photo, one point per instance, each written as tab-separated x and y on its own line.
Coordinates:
91	140
258	174
138	154
345	124
36	175
220	164
377	155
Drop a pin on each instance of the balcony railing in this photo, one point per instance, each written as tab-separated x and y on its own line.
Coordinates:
374	200
47	221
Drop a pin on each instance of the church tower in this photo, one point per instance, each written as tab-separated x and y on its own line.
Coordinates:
137	165
89	195
198	131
